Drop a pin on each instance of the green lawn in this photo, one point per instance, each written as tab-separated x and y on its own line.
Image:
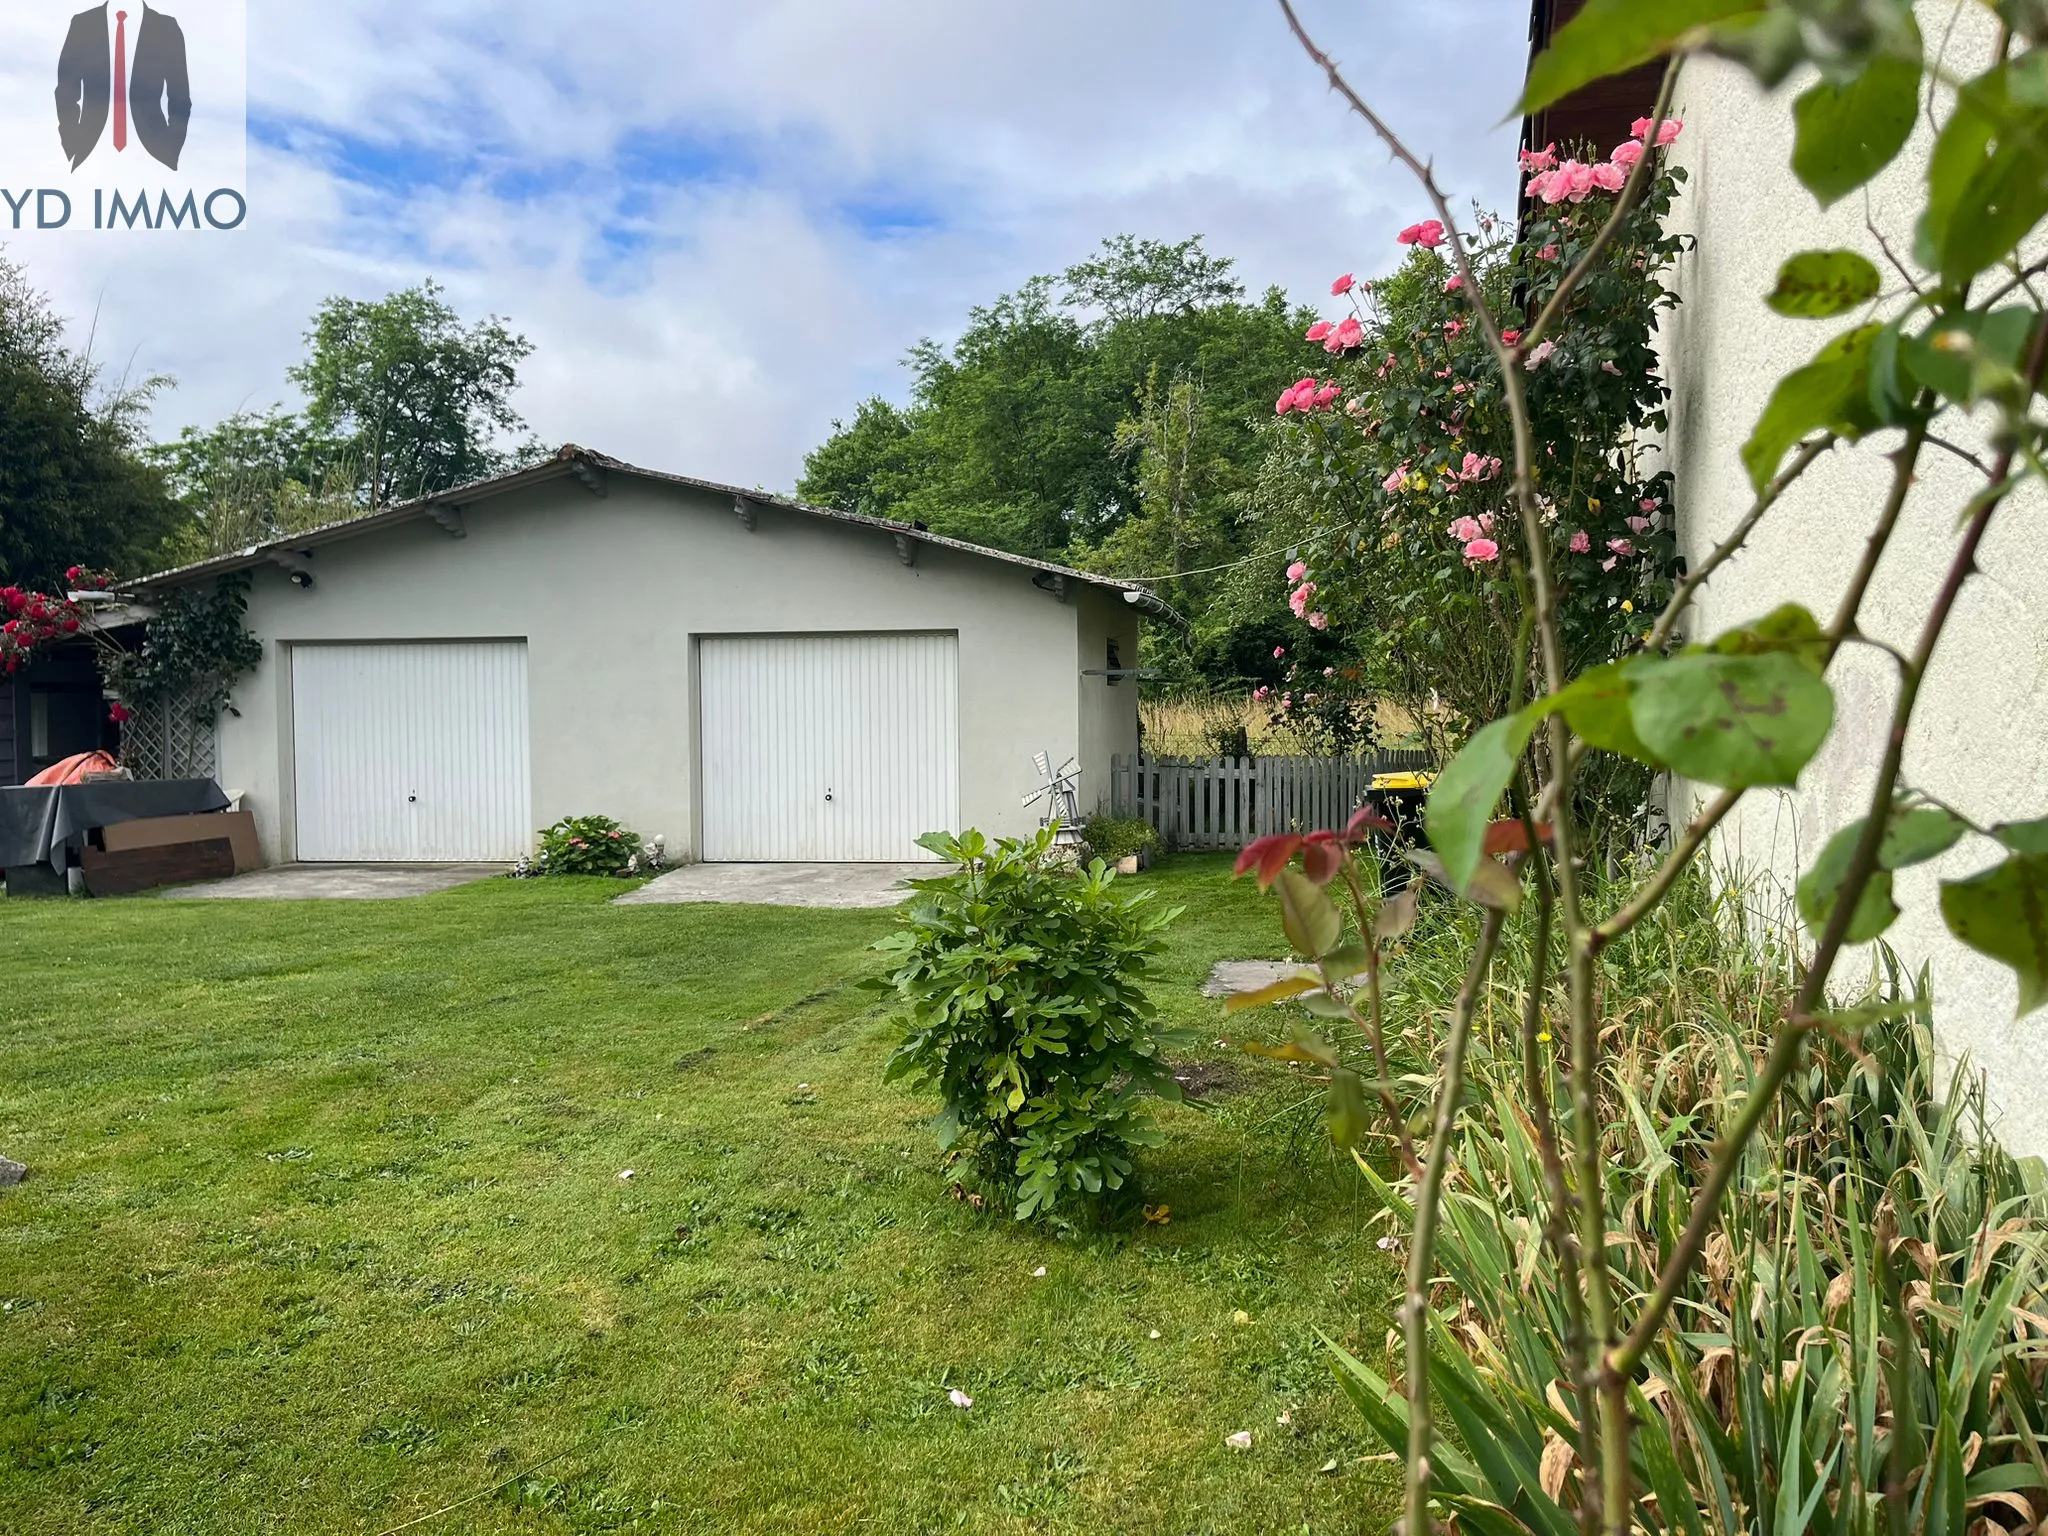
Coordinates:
326	1232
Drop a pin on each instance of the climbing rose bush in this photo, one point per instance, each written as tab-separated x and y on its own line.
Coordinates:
1388	466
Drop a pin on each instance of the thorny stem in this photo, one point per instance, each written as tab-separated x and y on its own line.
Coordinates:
1728	547
1428	1197
1905	461
1612	1439
1624	205
1374	1024
1556	1222
1862	864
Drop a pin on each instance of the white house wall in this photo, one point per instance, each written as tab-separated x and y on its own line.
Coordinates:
609	594
1979	739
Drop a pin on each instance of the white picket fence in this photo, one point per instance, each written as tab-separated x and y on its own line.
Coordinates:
1226	802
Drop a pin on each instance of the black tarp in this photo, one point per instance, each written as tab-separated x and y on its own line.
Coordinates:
38	824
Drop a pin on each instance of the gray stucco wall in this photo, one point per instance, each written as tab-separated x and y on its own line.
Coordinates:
610	594
1980	741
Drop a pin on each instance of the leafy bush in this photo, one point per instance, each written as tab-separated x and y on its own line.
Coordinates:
1023	1002
1111	838
587	845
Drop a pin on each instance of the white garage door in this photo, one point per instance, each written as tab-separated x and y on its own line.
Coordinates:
833	748
411	752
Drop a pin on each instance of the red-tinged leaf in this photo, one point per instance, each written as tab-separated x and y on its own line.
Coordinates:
1511	835
1506	836
1321	856
1365	820
1268	856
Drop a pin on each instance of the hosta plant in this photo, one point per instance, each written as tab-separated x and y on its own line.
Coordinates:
1021	989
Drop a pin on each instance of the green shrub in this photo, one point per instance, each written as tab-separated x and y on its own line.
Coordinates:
586	845
1113	838
1021	986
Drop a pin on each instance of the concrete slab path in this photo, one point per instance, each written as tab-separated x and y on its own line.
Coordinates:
784	885
346	882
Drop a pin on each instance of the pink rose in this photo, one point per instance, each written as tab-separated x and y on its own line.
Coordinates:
1626	155
1318	621
1454	328
1610	177
1540	356
1285	403
1466	529
1621	547
1342	285
1454	284
1639	524
1262	693
1539	159
1607	366
1666	131
1319	330
1548	253
1329	671
1429	234
1580	542
1649	503
1396	480
1347	335
1479	551
1297	570
1279	651
1326	397
1511	337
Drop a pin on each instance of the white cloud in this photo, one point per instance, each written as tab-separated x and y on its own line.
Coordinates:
722	225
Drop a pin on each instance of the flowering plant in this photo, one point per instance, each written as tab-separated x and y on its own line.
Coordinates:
32	619
1611	1433
586	845
1389	472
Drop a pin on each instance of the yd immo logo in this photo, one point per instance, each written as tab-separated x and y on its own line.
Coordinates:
151	116
96	75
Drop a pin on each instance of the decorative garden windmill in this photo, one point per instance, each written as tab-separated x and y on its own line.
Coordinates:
1061	792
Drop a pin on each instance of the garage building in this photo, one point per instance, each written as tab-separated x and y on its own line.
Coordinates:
751	677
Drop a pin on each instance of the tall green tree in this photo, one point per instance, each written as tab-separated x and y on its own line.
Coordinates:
252	477
418	399
1053	426
74	488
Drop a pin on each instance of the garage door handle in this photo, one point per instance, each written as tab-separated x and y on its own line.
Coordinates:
410	799
828	794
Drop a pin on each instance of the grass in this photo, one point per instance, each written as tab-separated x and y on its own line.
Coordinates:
326	1232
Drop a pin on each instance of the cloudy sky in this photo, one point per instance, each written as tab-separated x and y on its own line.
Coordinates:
721	225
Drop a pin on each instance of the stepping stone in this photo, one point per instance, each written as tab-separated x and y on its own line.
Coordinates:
12	1172
1246	975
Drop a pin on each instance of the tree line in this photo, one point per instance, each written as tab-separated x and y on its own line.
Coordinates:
1114	416
402	398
